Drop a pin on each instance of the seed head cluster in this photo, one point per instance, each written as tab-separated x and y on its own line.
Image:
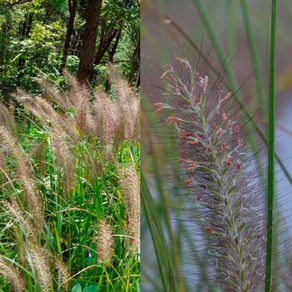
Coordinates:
130	188
214	162
105	242
13	276
73	119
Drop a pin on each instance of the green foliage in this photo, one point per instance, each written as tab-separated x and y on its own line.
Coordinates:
32	37
71	221
79	191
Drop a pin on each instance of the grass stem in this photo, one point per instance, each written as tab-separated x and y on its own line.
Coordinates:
271	148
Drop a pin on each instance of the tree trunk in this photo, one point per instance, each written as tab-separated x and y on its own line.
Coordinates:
135	63
26	28
111	56
85	69
115	46
104	43
70	26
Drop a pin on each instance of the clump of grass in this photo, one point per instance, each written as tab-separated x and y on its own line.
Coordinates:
111	121
59	181
219	176
25	176
30	251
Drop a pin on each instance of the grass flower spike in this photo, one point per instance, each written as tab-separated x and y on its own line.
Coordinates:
104	242
130	188
25	176
217	172
13	276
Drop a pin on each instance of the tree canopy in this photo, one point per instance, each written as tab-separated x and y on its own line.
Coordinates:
46	36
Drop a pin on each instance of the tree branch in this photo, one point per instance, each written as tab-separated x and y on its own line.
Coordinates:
10	5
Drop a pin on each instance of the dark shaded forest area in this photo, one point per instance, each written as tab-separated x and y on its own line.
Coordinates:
42	37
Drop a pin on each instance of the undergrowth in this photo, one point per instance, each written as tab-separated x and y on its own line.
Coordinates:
69	190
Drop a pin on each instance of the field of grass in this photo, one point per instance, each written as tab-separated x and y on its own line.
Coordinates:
70	191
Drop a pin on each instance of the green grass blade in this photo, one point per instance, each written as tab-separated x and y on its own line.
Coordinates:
231	22
271	148
159	241
254	57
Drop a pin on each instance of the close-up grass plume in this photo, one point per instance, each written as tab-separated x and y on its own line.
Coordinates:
218	176
216	180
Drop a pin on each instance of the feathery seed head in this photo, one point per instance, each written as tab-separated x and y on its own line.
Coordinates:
213	163
128	105
14	210
105	242
13	276
63	274
64	158
37	256
130	189
7	118
24	174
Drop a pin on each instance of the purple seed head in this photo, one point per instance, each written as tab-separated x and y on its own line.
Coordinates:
214	162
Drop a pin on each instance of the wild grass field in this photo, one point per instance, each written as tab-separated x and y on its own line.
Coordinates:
70	190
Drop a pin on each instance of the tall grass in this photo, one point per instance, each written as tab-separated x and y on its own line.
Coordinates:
67	219
194	113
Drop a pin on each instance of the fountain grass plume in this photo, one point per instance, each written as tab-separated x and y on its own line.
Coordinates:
130	189
104	242
13	276
7	119
14	210
215	165
64	276
24	173
38	258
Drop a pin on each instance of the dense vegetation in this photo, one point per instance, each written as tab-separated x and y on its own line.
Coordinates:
69	145
45	36
70	208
